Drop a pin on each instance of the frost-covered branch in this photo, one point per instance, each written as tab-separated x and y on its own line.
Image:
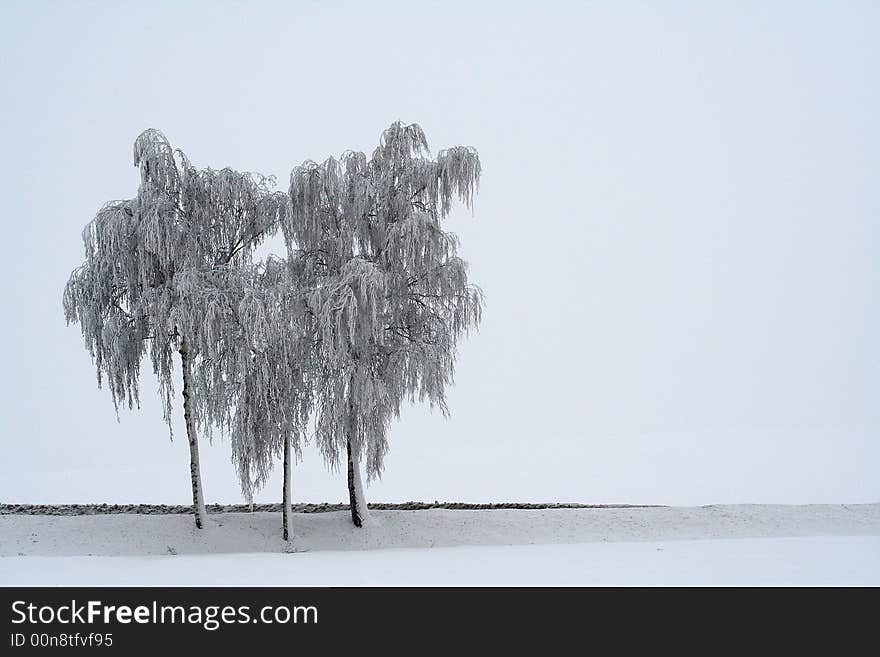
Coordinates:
390	296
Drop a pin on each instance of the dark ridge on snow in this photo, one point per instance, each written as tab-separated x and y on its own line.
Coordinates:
323	507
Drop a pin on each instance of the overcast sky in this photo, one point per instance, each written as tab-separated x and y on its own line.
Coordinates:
677	233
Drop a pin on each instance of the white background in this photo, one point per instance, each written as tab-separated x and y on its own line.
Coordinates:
677	234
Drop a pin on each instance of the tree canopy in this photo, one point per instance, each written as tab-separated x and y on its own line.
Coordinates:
362	315
391	296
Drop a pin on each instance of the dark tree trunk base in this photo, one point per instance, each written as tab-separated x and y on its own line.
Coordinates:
356	512
285	497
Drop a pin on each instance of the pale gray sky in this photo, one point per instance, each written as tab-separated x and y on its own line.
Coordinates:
677	234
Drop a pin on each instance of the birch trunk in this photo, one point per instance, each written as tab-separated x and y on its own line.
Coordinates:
285	497
357	500
194	471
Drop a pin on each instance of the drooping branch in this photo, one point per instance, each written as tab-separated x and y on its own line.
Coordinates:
390	296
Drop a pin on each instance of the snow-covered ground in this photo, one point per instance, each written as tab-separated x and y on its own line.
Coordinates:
817	561
745	544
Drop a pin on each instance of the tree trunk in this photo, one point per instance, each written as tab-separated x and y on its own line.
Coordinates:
194	472
357	500
285	497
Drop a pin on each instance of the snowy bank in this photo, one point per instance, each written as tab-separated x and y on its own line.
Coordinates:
740	544
143	535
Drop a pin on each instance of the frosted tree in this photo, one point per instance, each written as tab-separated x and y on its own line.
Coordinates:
390	297
162	275
268	367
